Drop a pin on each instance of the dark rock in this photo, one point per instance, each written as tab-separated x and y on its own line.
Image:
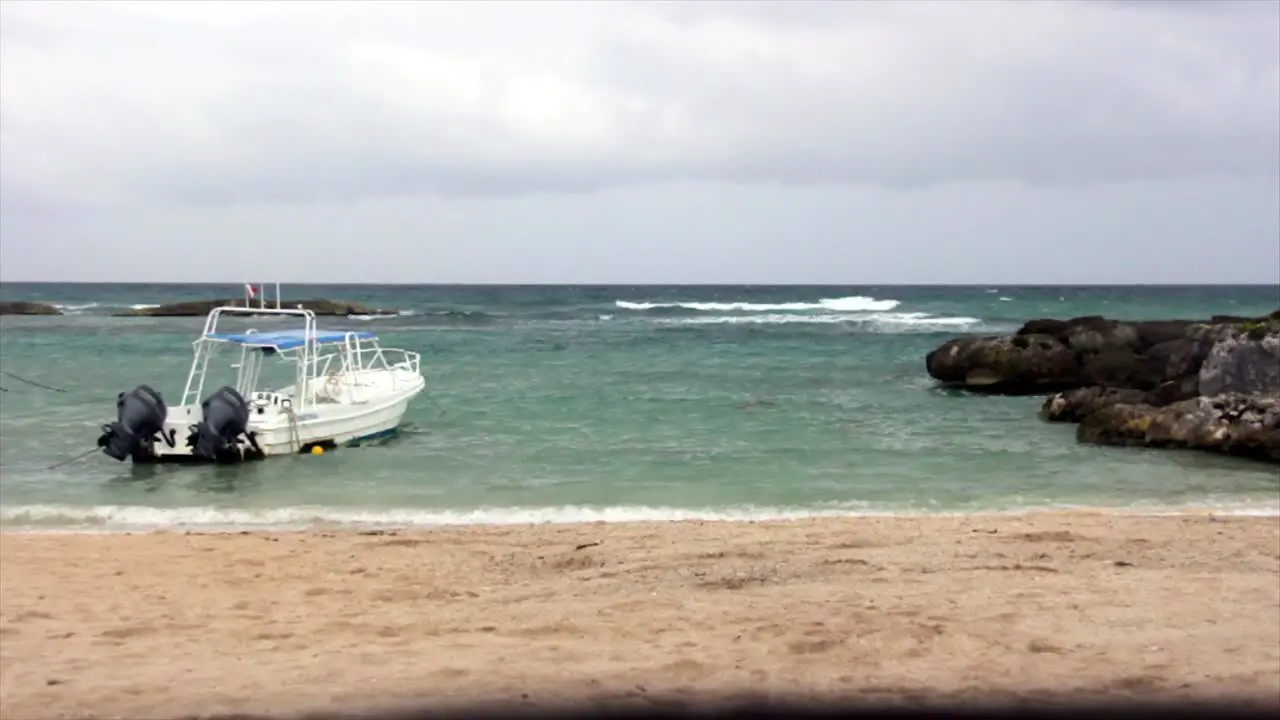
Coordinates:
1019	365
197	308
1093	333
1047	326
22	307
1158	332
1049	355
1100	336
1164	362
1178	358
1115	367
1171	392
1211	385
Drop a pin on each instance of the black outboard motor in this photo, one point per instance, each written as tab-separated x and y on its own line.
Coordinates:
140	415
226	418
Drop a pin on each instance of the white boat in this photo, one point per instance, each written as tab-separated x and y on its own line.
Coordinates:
346	389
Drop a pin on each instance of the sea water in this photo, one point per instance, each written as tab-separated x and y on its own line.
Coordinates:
548	403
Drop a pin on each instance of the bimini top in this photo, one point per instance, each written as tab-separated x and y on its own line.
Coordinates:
290	339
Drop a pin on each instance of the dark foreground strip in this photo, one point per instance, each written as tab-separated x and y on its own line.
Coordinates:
970	708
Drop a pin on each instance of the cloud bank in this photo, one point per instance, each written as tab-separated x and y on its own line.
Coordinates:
216	105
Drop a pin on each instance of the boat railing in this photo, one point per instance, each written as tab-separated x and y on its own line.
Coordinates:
315	362
194	388
348	362
370	355
356	360
399	359
211	322
409	360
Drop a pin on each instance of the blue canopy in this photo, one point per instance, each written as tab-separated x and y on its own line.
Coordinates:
289	339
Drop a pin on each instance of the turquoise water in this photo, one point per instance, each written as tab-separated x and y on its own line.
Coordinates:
599	403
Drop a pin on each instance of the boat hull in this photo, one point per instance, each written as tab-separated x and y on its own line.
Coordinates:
347	389
278	433
347	429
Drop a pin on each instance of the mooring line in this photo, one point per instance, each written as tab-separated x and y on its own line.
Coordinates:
68	461
31	382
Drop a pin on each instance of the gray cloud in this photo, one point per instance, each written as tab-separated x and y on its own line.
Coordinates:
295	102
191	110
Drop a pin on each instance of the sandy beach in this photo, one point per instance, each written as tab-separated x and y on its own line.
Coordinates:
166	624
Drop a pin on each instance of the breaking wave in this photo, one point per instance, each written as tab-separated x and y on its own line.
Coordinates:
917	321
366	318
857	312
853	303
122	518
76	309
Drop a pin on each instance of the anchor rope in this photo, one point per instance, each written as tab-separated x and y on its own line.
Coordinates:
31	382
295	439
70	460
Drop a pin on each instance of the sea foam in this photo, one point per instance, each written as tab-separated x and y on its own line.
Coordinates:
853	303
133	518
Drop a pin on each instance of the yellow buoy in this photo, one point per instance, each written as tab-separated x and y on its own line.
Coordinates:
317	450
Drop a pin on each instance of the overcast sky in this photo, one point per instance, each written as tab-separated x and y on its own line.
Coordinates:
630	142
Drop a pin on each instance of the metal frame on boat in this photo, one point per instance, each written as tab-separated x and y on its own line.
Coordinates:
346	389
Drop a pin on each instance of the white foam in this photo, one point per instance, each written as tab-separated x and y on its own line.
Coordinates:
135	517
854	303
69	309
919	318
74	309
122	518
769	319
883	321
401	313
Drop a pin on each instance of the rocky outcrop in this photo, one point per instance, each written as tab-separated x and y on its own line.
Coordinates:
1207	385
20	307
196	308
1052	355
1231	423
1074	406
1248	362
1019	365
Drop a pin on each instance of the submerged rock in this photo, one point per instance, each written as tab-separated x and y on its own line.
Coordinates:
197	308
23	307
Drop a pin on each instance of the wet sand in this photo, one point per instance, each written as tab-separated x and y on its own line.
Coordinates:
166	624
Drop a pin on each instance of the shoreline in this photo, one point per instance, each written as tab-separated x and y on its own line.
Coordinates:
645	516
878	608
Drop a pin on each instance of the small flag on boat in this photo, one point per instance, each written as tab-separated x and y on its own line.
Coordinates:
249	290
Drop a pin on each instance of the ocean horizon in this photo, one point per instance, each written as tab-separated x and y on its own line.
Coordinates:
608	402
